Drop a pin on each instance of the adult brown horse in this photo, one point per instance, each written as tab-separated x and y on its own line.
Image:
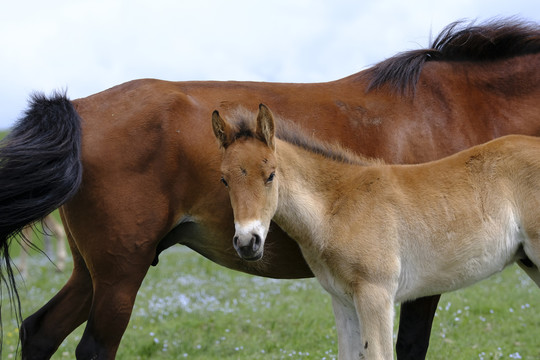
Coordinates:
133	176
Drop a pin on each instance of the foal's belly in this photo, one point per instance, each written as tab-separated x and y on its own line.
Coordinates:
414	285
429	274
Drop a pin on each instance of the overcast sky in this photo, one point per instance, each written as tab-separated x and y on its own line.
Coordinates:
90	45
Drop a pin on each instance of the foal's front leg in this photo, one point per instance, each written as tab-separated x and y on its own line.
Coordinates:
348	329
375	310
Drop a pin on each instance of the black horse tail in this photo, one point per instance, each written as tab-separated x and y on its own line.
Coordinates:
40	170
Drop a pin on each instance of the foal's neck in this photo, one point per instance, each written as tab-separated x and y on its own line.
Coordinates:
309	185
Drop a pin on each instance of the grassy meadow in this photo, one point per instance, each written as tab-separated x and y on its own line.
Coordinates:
189	307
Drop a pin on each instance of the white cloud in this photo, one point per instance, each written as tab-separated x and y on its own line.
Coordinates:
90	45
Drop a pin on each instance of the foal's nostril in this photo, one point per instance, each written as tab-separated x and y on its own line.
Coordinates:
248	246
256	242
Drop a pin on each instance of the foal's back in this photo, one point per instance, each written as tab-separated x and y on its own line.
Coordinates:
510	164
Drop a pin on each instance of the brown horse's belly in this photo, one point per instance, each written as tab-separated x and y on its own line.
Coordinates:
282	261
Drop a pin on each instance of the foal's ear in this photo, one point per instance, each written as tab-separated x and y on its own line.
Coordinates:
265	126
221	129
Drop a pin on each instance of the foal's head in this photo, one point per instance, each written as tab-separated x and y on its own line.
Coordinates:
248	171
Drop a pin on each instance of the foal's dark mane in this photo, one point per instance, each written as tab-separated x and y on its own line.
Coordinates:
243	122
494	40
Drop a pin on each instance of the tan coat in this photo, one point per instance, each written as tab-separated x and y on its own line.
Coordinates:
376	234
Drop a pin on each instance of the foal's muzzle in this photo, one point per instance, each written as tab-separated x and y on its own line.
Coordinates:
248	246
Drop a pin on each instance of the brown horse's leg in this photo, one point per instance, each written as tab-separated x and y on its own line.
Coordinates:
415	322
114	297
44	331
117	237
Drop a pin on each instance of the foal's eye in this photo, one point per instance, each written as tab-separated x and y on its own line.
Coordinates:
270	178
224	182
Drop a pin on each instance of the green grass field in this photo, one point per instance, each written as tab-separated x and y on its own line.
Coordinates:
189	307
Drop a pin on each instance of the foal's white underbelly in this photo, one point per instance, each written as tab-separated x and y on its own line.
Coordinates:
485	253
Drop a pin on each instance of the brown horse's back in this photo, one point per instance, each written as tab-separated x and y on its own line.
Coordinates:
455	105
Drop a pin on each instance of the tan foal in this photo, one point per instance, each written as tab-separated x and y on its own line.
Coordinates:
377	234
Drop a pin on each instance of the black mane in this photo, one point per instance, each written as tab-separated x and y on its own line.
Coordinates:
243	122
494	40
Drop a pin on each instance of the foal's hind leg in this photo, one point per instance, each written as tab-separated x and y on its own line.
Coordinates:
531	263
531	270
44	331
